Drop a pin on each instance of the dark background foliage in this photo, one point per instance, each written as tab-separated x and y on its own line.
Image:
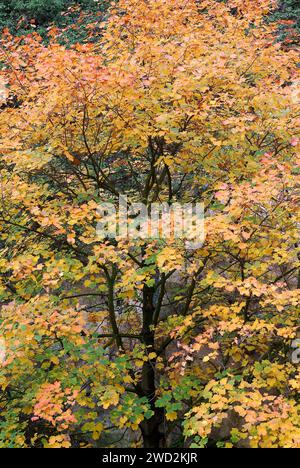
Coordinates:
289	10
23	16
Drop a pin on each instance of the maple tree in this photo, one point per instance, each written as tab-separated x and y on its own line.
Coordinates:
177	102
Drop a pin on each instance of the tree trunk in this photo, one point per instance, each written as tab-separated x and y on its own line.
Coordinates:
152	436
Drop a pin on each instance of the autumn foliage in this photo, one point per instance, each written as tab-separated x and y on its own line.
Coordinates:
178	101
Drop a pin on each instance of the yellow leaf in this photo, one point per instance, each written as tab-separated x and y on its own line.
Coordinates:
152	356
171	416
